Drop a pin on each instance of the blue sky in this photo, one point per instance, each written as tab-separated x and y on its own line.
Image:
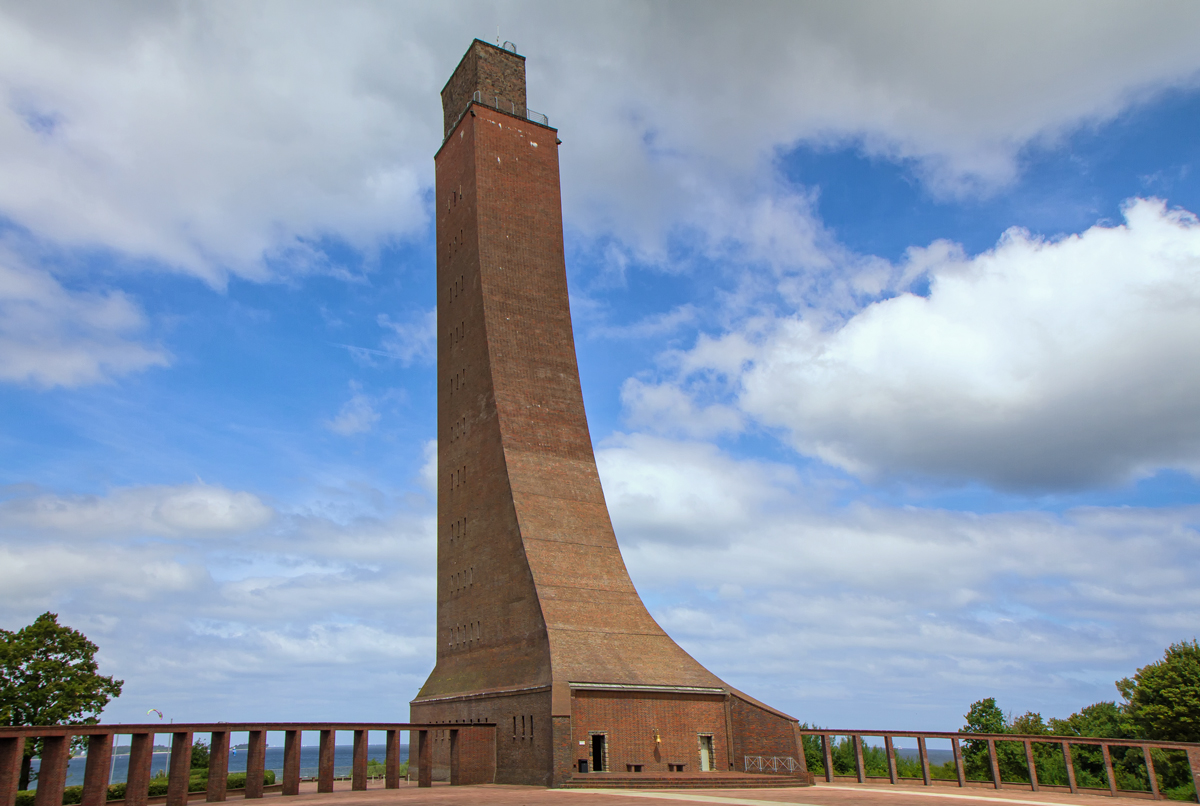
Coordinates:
887	320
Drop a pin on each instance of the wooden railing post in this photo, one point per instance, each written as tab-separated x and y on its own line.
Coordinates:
391	764
958	762
218	766
1033	779
424	758
1070	764
827	749
1193	757
1108	770
994	763
256	762
358	762
97	770
137	779
291	762
180	769
924	755
891	757
12	750
1154	793
859	767
52	773
325	761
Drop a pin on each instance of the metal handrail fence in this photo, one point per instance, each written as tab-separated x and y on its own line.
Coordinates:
57	739
770	764
1192	750
496	102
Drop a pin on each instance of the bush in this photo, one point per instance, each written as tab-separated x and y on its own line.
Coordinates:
158	786
237	780
199	756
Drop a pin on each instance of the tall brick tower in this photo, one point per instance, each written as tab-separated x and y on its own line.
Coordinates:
539	627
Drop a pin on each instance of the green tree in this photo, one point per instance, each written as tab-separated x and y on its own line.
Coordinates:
200	756
49	676
984	716
1163	698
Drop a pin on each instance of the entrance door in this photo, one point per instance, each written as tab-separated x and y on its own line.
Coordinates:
706	753
598	753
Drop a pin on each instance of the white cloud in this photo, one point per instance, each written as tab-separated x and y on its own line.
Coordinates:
811	604
1041	364
187	510
357	415
1036	364
51	336
216	139
670	488
653	326
278	597
665	408
38	577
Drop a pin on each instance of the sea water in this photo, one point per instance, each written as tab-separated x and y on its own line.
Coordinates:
309	756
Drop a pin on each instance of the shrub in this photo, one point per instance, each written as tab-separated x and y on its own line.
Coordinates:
199	755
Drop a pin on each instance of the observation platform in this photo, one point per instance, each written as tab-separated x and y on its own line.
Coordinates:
822	794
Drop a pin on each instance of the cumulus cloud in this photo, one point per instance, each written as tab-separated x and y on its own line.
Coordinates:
51	336
760	574
180	511
267	595
1040	364
665	408
36	577
220	140
1037	364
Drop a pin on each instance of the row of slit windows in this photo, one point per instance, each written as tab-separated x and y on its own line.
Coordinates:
462	580
457	287
465	634
454	197
458	478
458	530
458	429
458	380
525	735
457	334
456	242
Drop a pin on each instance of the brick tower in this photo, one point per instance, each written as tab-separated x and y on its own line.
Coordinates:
539	628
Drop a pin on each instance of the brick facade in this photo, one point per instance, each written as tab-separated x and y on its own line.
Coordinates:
538	623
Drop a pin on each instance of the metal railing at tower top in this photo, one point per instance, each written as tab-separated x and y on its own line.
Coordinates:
997	751
56	743
506	105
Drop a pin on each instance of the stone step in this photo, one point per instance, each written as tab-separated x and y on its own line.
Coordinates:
609	780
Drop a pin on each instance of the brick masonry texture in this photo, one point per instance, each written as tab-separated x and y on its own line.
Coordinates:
536	611
494	73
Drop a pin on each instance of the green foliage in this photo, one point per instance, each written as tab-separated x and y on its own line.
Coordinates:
1102	719
237	780
159	784
1163	698
199	756
49	676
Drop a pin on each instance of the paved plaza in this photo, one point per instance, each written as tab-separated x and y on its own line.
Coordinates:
820	795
